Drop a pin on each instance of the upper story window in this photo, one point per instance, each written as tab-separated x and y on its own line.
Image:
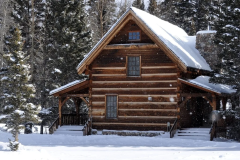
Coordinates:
134	36
133	66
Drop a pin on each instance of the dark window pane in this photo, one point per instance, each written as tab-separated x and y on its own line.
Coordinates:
111	107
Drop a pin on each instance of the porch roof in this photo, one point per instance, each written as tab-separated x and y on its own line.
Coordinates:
202	82
70	87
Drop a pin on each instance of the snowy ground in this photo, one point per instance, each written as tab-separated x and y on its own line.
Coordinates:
99	147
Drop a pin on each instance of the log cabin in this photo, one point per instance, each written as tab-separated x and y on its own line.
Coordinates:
142	75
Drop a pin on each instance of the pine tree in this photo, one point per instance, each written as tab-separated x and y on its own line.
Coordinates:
29	15
168	10
19	90
139	4
68	40
227	39
153	7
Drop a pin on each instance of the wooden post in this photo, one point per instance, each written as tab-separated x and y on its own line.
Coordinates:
76	102
62	101
214	102
60	110
224	102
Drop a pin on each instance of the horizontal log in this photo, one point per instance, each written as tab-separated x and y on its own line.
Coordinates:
136	119
116	82
125	78
134	89
131	46
146	110
135	106
196	94
158	70
138	103
135	92
109	71
139	99
146	113
129	124
135	85
159	67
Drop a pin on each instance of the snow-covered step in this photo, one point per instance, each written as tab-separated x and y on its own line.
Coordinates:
193	133
69	130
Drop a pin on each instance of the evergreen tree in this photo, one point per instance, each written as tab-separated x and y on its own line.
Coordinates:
29	15
168	10
68	40
153	7
19	90
139	4
227	39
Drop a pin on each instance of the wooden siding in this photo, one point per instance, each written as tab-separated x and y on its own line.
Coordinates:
122	36
158	80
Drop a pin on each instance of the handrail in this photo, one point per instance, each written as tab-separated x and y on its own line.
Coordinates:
87	127
212	131
173	130
54	125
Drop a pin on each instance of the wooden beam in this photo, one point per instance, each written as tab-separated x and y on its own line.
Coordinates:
132	46
184	102
195	94
85	101
75	95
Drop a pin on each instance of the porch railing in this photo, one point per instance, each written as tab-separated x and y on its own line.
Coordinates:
173	130
54	126
73	119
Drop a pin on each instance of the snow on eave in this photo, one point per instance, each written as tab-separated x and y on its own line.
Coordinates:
203	82
103	38
66	86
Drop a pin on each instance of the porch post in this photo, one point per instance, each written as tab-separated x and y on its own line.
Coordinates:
214	102
60	110
224	102
76	102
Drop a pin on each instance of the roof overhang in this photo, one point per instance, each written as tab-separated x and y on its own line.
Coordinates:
228	91
70	88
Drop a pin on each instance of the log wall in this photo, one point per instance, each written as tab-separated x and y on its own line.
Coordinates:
158	80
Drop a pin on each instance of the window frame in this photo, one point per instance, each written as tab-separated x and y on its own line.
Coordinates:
140	65
140	35
106	117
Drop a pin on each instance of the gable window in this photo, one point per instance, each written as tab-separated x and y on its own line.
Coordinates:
111	106
134	36
133	67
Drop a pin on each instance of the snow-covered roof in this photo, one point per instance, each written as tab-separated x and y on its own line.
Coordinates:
203	81
175	38
66	86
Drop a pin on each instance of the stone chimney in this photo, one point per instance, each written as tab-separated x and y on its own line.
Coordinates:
206	47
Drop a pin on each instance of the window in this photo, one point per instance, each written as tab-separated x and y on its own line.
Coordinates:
134	36
134	66
111	106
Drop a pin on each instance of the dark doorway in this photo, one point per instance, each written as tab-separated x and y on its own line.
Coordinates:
201	111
